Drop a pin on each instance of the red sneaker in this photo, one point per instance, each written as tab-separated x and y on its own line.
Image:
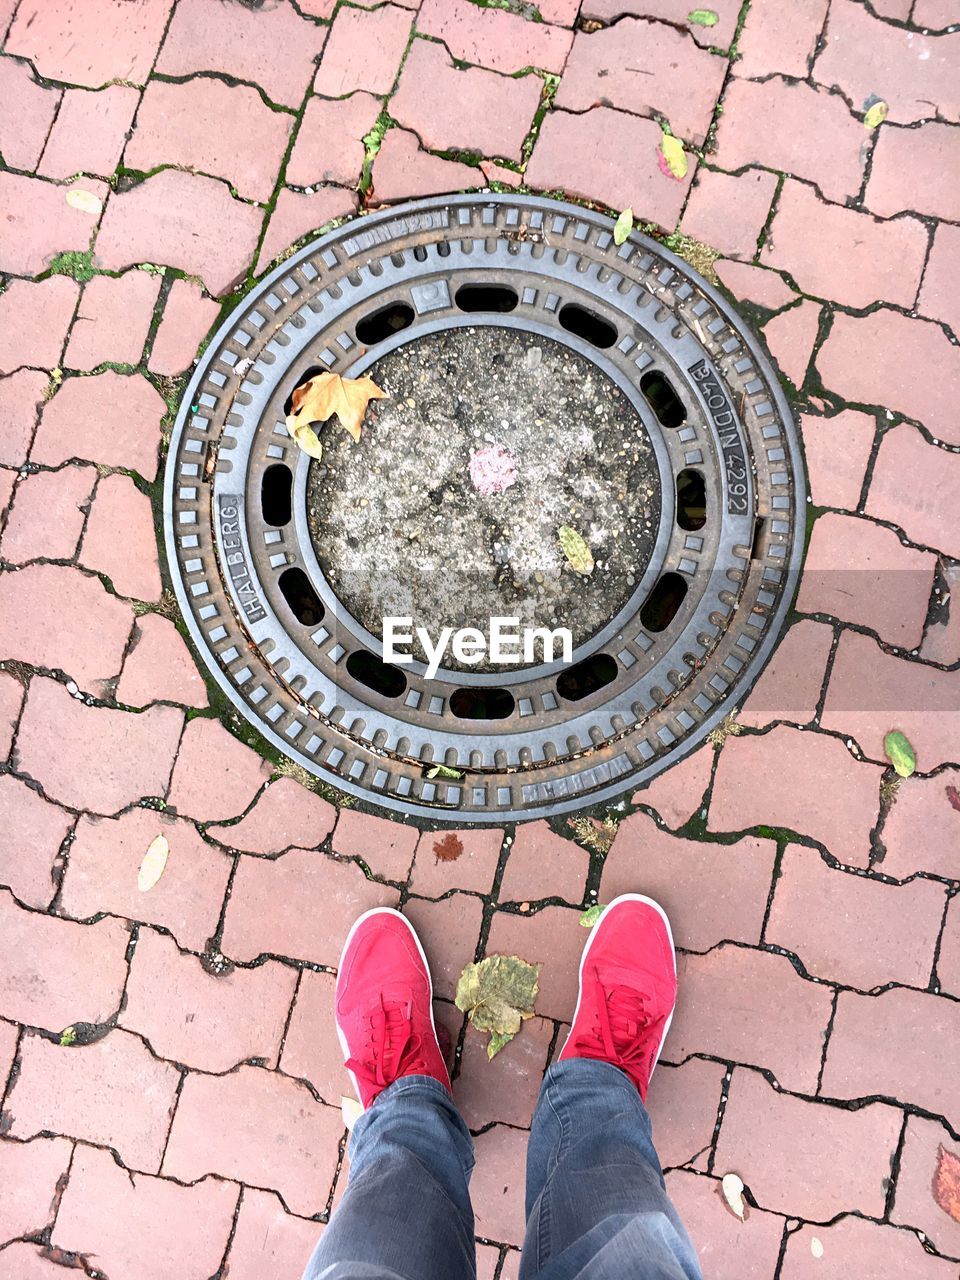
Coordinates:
384	1005
628	988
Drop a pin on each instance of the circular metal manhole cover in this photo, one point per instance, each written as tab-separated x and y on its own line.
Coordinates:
281	567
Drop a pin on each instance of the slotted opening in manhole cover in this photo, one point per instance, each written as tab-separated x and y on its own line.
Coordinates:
539	376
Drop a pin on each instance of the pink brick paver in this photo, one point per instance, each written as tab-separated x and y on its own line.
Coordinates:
624	173
31	1262
496	1187
186	319
297	214
859	1063
386	847
810	133
227	789
39	223
477	852
48	514
647	69
919	73
11	701
21	396
67	43
34	319
311	1050
29	1172
256	1126
155	1227
431	92
673	11
790	337
938	297
329	145
536	847
363	50
552	938
780	38
284	815
111	418
912	170
9	1033
119	539
158	667
112	1092
211	1022
449	931
56	972
729	212
750	1006
913	1204
838	450
181	220
864	933
676	795
505	1089
728	1249
402	171
802	1158
881	1252
923	509
497	40
33	604
881	358
683	1103
790	686
105	859
800	780
861	572
23	133
766	288
30	838
871	692
712	893
274	48
948	960
211	128
112	320
300	905
843	255
268	1241
922	829
90	131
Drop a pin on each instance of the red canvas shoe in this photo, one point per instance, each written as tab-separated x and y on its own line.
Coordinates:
384	1005
628	988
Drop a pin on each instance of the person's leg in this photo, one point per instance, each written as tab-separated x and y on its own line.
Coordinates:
406	1213
596	1204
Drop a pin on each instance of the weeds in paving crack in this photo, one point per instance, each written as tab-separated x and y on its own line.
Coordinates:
727	728
598	836
75	263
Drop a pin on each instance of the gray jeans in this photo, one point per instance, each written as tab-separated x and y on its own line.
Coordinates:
596	1204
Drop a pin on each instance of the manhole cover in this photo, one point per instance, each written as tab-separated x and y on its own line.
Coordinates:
631	403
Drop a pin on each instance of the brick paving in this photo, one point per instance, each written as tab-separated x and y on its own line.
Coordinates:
155	158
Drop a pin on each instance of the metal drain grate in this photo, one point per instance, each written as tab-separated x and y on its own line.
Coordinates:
648	685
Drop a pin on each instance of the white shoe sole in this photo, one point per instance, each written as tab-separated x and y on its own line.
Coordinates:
626	897
378	911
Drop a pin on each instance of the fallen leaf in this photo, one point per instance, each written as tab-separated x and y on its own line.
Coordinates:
592	915
449	848
703	17
816	1246
575	549
732	1188
671	157
154	861
623	226
443	771
351	1110
953	795
327	394
946	1183
67	1036
900	753
305	437
497	995
85	201
876	114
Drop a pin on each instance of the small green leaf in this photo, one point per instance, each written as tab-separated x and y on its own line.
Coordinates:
703	17
67	1036
575	549
443	771
900	753
876	114
496	1043
592	915
623	226
497	994
306	438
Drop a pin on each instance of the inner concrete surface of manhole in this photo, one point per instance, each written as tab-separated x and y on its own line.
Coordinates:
610	389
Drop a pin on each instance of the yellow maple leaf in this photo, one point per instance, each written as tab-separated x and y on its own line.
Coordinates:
328	394
674	156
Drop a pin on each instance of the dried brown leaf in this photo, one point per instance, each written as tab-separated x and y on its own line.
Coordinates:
449	848
946	1183
327	394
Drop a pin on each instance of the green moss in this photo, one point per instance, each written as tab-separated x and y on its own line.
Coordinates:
75	263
